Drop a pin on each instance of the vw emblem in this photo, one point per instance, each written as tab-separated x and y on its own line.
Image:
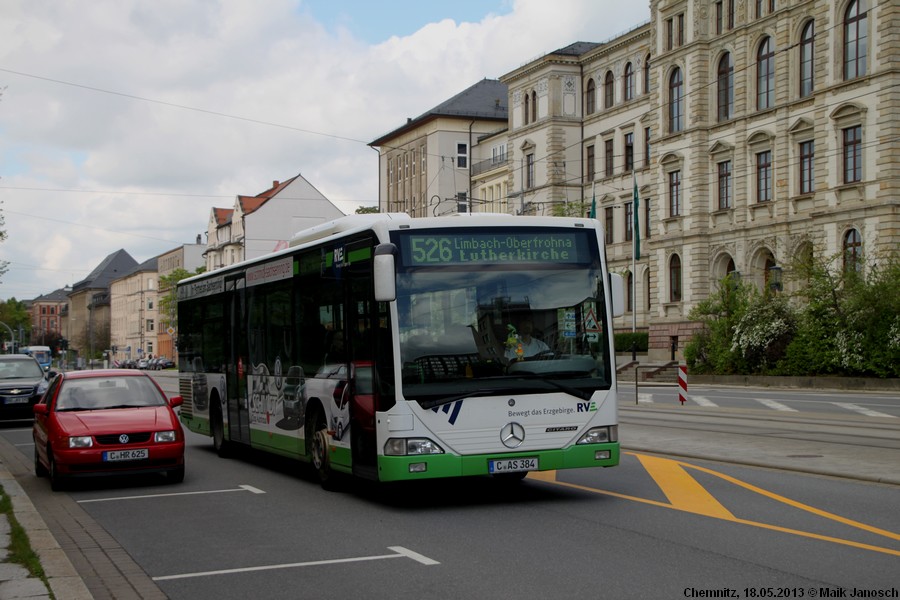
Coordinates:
123	439
512	435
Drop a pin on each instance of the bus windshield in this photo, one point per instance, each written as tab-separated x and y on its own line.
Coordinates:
497	314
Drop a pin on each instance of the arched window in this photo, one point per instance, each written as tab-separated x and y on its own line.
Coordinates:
676	102
628	83
852	251
533	107
675	279
765	75
609	90
647	75
527	107
647	290
590	97
725	87
855	40
807	47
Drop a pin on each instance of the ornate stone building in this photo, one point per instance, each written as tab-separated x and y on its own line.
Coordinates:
756	132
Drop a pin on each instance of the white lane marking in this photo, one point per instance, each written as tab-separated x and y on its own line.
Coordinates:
862	410
242	488
703	401
400	552
775	405
645	398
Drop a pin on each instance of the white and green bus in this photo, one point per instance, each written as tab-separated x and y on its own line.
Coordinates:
392	348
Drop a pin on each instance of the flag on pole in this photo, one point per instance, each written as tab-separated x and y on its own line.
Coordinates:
637	222
593	203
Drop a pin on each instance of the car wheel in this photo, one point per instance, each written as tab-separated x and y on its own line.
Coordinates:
56	482
317	436
39	469
176	475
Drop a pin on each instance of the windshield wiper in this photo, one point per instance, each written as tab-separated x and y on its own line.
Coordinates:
449	400
543	377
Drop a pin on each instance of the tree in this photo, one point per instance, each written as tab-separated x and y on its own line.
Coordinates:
4	266
367	210
168	301
15	315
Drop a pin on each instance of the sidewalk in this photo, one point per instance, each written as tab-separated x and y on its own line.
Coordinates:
15	581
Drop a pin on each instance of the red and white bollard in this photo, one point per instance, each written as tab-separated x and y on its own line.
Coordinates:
682	383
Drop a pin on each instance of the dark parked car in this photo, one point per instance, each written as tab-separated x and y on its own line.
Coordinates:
22	383
106	422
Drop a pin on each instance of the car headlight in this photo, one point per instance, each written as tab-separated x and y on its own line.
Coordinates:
411	447
164	436
81	441
600	435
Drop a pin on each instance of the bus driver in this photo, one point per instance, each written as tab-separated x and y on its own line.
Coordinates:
525	345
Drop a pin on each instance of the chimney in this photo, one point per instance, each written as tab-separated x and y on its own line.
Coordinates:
198	239
276	183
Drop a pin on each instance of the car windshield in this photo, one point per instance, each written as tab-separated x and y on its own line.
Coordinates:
20	368
487	329
110	392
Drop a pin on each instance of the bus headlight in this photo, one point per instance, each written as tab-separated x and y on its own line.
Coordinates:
600	435
411	447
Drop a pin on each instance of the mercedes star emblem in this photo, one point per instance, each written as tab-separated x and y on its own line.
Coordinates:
512	435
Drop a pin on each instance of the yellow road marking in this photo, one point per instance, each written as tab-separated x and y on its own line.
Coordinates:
689	496
682	490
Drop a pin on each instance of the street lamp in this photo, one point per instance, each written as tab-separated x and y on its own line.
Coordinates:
775	278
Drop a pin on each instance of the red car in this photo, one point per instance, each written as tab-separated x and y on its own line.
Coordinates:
106	422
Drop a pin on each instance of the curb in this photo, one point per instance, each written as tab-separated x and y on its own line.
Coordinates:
62	577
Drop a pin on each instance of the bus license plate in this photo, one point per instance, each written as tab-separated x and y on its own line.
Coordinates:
511	465
135	454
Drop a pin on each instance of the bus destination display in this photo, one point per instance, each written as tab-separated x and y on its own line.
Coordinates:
494	248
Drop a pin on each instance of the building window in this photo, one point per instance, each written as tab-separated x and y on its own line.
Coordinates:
462	203
527	106
725	87
647	74
852	153
646	146
150	325
676	102
628	83
591	170
629	152
608	224
675	278
807	47
807	160
720	18
533	107
529	171
674	193
149	348
724	16
855	40
852	251
629	221
609	90
764	176
765	75
608	158
724	185
629	289
462	155
590	97
674	32
647	230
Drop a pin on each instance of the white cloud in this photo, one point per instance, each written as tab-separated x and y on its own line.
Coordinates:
259	62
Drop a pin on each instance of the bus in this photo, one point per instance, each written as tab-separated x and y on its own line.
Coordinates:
43	354
394	348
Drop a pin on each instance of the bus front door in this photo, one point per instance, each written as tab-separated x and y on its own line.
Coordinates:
238	394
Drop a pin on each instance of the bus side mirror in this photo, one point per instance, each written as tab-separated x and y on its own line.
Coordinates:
385	273
617	294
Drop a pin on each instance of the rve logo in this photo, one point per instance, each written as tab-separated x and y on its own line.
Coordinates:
451	409
587	406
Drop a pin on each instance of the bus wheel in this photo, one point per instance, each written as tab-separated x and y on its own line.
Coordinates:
218	432
317	433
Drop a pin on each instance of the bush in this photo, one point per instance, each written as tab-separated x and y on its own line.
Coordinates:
623	341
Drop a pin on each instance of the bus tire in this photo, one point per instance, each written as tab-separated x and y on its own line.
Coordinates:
317	434
217	427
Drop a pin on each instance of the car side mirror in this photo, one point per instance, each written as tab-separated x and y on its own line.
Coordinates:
39	409
176	401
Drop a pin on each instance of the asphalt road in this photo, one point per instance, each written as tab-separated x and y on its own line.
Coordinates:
667	523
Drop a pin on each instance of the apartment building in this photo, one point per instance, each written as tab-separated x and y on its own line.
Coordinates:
757	132
134	299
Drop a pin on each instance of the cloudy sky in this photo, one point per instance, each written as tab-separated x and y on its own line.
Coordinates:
123	122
